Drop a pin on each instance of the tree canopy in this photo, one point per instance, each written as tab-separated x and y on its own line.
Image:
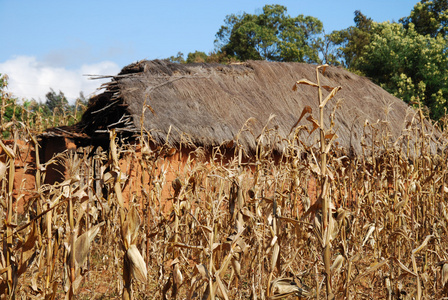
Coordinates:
410	65
272	35
196	57
409	59
56	101
351	41
428	17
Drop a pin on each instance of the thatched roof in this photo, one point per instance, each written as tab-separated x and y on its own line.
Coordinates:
210	103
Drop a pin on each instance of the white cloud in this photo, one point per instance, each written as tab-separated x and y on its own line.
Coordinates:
30	78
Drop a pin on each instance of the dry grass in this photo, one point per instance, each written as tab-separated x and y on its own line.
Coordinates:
233	229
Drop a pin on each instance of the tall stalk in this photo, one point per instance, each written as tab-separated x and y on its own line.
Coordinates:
8	233
324	197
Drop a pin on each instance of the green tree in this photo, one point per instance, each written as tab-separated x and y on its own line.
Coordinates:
409	65
82	99
10	110
196	57
429	17
56	101
328	50
179	58
352	41
409	59
272	35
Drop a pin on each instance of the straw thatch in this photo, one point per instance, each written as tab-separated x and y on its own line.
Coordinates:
209	104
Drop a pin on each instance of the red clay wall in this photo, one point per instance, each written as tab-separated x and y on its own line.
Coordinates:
172	165
49	148
25	167
25	170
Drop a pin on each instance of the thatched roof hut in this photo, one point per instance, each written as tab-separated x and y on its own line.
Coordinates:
209	104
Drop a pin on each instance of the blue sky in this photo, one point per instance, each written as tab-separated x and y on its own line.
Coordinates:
53	44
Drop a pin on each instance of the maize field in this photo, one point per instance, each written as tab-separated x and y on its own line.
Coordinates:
308	223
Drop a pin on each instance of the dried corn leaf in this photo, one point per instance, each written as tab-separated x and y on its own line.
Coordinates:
109	177
202	269
243	247
236	267
7	150
229	255
207	228
402	231
222	291
133	220
30	238
113	148
338	263
28	251
332	137
404	268
369	233
315	169
66	191
423	245
34	278
83	242
306	110
175	261
119	194
137	264
284	287
54	293
444	274
369	270
77	282
185	246
246	212
81	195
303	81
3	169
314	122
274	256
331	95
178	277
322	67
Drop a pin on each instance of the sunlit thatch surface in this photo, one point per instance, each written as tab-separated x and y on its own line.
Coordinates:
211	103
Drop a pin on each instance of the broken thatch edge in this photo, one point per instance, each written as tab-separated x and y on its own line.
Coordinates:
217	100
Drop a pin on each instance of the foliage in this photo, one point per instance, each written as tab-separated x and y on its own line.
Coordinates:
196	57
179	58
56	101
408	59
56	111
202	57
351	41
272	35
410	65
429	17
328	50
220	57
9	110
